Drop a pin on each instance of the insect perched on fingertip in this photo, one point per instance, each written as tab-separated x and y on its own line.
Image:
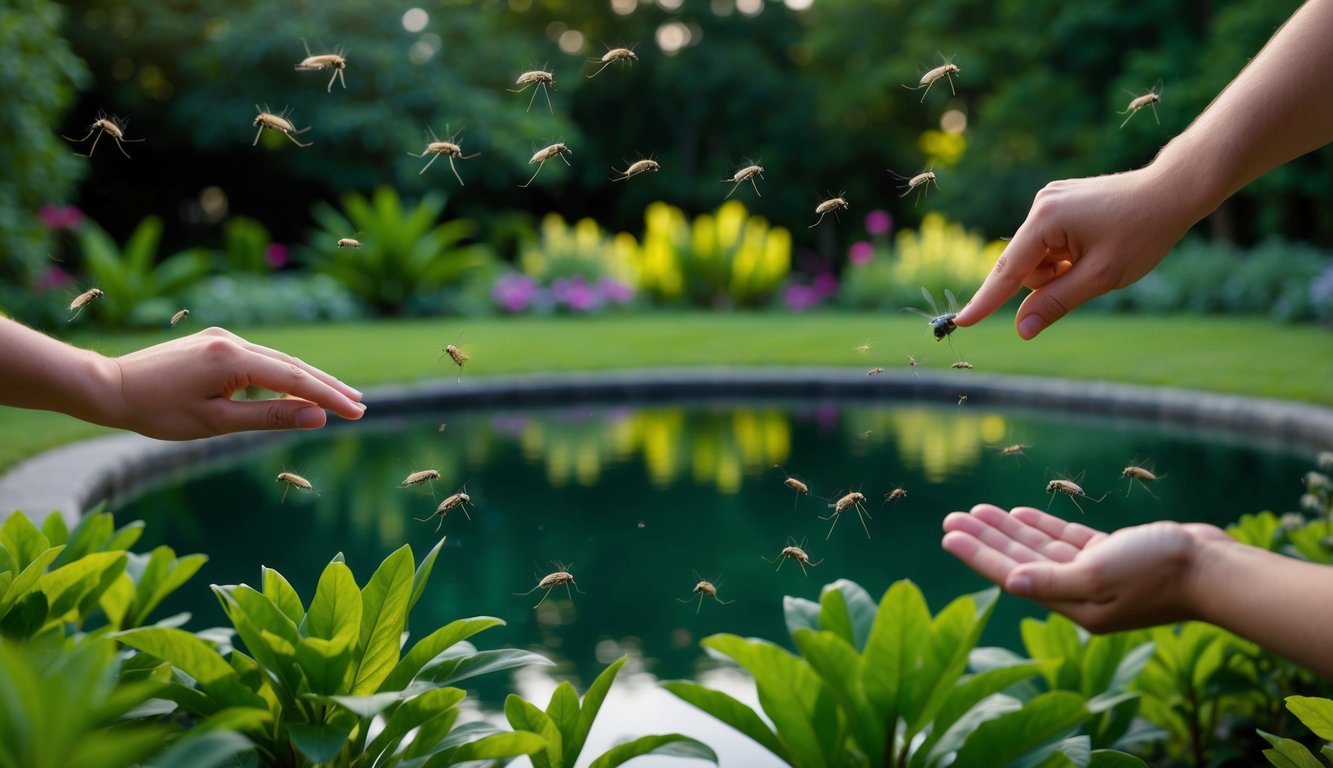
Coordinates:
334	61
449	149
279	123
561	575
82	300
704	588
539	78
1149	99
636	168
110	125
793	551
830	205
542	155
179	316
611	57
746	173
946	70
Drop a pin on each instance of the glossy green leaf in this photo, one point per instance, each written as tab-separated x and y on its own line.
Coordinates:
410	715
25	617
431	646
833	616
587	714
125	536
730	711
115	601
1110	758
665	745
89	535
525	716
901	625
788	689
325	663
953	634
498	746
800	613
422	574
861	609
55	530
275	654
319	743
361	706
26	579
283	595
448	670
164	574
1315	713
946	741
1289	753
195	658
335	611
563	709
383	619
215	749
23	540
68	585
1009	736
837	663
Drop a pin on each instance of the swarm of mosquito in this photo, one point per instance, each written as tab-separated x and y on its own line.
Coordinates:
449	149
550	581
335	61
105	124
279	123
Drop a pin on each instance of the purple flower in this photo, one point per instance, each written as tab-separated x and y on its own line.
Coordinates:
514	292
879	222
614	291
51	279
275	254
825	284
800	297
861	252
60	216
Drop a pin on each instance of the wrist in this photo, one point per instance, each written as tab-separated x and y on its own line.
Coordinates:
1194	180
97	390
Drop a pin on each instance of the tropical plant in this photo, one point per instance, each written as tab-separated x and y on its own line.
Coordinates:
565	724
578	269
724	259
245	248
403	252
1317	715
888	685
939	255
312	679
140	290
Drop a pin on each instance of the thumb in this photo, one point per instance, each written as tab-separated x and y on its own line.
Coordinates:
278	413
1050	582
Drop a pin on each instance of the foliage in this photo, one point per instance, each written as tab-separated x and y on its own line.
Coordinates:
578	269
64	707
54	580
247	247
888	685
140	289
719	260
403	252
940	255
41	74
314	676
565	723
247	300
1317	715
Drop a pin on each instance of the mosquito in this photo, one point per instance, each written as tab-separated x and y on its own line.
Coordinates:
830	205
334	61
636	168
1071	488
946	70
293	480
854	500
458	500
550	581
1149	99
922	180
862	347
1142	476
179	316
279	123
82	300
1015	450
110	125
542	155
539	78
704	588
349	242
795	485
745	174
611	57
897	494
449	149
793	551
963	364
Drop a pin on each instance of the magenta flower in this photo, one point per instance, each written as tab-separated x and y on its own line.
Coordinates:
614	291
52	279
60	216
275	254
825	285
514	292
800	297
879	222
861	252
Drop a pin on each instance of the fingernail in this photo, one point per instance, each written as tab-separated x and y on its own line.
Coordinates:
362	406
309	418
1019	585
1029	326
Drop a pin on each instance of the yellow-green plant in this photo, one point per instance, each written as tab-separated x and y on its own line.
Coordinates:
724	259
583	249
940	254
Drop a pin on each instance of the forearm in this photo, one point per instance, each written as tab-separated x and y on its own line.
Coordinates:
1279	602
41	372
1277	109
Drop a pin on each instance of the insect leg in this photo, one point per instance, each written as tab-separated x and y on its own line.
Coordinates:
120	146
534	175
455	170
547	94
598	72
433	159
257	133
756	186
534	97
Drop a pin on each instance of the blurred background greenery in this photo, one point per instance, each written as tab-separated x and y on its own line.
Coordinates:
813	90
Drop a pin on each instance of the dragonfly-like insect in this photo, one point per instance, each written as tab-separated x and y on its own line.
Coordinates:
941	323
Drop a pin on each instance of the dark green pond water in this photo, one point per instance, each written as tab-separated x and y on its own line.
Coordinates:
638	499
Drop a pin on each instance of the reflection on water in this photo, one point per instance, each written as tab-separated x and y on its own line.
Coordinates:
639	503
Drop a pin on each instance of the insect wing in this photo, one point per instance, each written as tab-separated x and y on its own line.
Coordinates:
953	303
916	311
930	302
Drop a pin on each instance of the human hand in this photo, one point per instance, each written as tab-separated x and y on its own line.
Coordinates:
1135	577
182	389
1082	238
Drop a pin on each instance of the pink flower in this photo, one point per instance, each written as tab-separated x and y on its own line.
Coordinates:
275	254
60	216
51	279
861	252
800	297
825	284
879	222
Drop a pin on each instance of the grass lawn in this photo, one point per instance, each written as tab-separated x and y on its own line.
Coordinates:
1242	356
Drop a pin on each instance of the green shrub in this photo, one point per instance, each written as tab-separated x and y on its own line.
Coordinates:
939	255
239	300
141	290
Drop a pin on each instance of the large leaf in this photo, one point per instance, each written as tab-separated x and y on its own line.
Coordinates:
411	715
69	585
1008	737
666	745
447	670
214	749
587	713
27	577
325	663
195	658
423	572
23	540
837	663
25	617
361	706
383	618
497	746
280	591
433	645
319	743
1315	713
962	700
564	711
730	711
526	716
1289	753
800	613
938	666
902	626
157	575
335	611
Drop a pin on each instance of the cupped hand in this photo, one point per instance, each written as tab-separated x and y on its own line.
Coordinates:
1082	238
1135	577
182	389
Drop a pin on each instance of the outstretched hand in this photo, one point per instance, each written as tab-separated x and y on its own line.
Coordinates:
182	389
1135	577
1082	238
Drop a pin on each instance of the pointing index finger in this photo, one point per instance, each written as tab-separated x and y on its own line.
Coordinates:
1017	260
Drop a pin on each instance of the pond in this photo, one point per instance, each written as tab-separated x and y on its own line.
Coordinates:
641	501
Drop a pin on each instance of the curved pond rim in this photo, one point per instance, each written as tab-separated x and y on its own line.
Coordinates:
73	478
